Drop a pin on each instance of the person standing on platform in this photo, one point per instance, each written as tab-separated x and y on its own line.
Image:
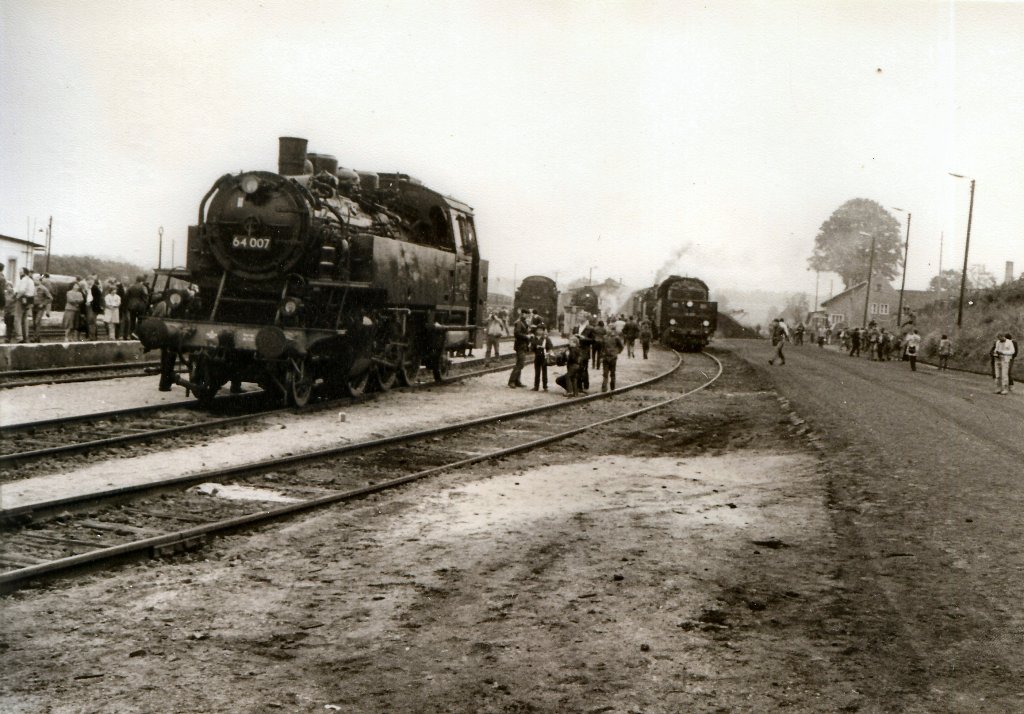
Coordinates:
587	345
541	346
72	312
24	294
495	329
8	310
629	334
855	342
646	335
521	345
112	311
610	349
137	297
40	308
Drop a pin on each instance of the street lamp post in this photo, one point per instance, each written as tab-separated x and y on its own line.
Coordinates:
160	248
871	265
967	247
903	283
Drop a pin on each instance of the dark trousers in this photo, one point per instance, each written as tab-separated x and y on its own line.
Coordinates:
583	376
913	361
568	381
608	373
540	370
646	346
167	362
515	379
9	323
492	341
134	318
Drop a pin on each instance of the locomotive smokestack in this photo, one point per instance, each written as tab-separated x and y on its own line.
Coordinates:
291	155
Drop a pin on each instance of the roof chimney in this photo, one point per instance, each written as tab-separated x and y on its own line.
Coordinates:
1009	272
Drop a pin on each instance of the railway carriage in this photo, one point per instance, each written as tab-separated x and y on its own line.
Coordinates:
320	273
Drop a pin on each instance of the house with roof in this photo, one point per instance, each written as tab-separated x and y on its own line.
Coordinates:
858	307
15	254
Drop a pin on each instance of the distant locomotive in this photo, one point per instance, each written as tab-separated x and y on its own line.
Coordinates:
680	313
539	293
586	299
319	273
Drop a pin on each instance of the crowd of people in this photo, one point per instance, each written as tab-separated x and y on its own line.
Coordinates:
93	309
594	344
878	344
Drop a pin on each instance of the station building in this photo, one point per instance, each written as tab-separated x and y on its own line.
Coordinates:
847	308
15	254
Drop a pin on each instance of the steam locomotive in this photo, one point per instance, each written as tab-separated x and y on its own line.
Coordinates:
320	273
680	313
538	292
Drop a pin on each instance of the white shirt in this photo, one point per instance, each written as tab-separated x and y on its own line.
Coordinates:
1004	348
25	287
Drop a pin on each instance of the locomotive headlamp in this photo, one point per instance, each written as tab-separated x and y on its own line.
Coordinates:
672	321
289	307
250	184
174	299
706	323
689	303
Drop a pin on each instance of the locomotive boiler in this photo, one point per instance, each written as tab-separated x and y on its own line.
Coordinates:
680	312
317	273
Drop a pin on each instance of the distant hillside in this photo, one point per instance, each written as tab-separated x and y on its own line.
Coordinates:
988	313
83	265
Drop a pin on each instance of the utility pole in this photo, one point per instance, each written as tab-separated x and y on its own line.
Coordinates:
49	238
160	248
903	284
967	247
871	265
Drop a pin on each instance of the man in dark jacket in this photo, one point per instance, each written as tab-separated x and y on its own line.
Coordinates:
521	345
137	299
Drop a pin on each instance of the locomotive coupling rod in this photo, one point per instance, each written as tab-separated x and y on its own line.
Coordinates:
386	363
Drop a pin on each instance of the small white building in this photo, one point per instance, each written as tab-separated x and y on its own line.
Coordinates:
15	254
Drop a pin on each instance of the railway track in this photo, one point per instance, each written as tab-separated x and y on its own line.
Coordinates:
31	441
78	373
173	516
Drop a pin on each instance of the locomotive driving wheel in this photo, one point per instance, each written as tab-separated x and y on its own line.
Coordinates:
408	366
386	368
441	366
299	382
356	384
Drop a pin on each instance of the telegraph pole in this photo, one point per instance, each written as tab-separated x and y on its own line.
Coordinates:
160	248
871	265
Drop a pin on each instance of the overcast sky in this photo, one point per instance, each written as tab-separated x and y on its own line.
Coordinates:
613	136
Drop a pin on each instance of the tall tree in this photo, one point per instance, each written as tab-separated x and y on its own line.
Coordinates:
841	247
947	282
797	307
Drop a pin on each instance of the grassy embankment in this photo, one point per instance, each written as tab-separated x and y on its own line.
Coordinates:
990	312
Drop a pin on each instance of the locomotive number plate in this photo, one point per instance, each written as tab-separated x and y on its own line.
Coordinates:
251	242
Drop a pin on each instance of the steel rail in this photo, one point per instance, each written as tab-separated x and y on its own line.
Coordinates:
12	579
75	368
123	439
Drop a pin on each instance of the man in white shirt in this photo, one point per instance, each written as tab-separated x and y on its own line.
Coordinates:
1003	351
24	294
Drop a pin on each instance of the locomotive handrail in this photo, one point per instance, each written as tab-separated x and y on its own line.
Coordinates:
213	189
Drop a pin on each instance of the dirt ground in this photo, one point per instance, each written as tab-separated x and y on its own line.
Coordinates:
683	561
